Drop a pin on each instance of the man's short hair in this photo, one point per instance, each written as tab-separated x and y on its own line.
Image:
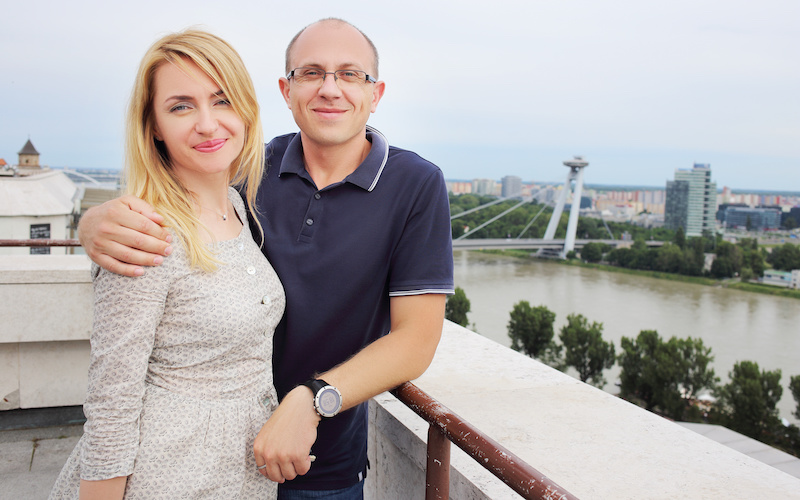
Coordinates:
335	20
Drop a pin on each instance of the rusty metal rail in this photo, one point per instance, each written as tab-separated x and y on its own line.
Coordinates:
40	243
446	426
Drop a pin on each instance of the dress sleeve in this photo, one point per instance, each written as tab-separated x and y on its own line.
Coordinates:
126	314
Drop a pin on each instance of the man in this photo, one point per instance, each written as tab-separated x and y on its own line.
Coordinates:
359	234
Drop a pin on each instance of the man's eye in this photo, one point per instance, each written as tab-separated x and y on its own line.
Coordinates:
349	74
310	73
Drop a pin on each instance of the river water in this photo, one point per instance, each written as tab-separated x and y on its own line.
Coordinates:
736	325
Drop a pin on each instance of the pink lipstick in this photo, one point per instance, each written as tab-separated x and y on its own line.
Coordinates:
210	146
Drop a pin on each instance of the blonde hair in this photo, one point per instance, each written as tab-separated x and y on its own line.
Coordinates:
148	174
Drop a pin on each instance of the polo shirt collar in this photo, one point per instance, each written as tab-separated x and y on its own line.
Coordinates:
367	174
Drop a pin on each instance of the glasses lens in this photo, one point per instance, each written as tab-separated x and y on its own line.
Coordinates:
307	75
351	76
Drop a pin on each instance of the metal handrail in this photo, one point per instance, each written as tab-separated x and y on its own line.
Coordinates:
494	457
40	243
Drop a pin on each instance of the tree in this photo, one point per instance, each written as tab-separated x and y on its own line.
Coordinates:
697	373
722	267
665	376
785	257
531	328
457	307
750	399
585	350
794	386
680	238
592	252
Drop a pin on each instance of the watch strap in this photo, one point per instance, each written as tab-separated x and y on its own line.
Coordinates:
315	384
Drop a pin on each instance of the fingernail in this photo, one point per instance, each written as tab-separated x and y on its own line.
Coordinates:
169	238
138	271
158	260
168	250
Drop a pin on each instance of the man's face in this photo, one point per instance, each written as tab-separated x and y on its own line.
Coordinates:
332	113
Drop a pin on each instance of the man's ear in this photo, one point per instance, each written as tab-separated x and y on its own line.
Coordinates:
283	84
377	94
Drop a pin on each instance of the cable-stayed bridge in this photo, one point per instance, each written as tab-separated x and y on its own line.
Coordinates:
547	246
533	243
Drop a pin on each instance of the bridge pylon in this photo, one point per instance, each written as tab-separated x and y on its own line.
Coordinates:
576	166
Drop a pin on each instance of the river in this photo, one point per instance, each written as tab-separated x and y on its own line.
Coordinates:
736	325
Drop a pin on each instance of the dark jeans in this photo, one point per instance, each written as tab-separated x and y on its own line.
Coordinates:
355	492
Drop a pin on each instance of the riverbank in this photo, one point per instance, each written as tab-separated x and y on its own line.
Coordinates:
734	284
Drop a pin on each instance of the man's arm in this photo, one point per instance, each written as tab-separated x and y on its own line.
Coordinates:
284	442
123	234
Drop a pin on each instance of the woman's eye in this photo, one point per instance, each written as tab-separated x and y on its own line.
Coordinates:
179	107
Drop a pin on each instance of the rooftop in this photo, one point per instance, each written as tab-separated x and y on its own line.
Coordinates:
591	443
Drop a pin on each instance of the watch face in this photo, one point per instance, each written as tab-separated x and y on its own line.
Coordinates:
329	401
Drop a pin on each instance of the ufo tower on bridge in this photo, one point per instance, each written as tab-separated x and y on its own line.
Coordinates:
576	166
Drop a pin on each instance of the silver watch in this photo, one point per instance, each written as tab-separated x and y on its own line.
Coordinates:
327	398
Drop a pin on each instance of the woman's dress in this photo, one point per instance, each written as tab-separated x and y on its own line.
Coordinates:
180	377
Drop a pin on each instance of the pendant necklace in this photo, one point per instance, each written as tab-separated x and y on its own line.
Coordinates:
223	215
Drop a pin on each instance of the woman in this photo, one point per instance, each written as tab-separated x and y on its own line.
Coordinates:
180	379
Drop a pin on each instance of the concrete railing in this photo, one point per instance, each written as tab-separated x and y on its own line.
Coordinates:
593	444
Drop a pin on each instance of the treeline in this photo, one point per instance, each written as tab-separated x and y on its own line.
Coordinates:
663	376
681	256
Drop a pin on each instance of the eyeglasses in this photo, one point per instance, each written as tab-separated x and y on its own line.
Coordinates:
307	75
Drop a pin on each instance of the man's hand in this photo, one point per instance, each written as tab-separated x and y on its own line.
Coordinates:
123	234
284	442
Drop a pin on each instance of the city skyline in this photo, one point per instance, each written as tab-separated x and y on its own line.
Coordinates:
639	89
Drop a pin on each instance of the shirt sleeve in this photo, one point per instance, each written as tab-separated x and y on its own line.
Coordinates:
126	314
423	260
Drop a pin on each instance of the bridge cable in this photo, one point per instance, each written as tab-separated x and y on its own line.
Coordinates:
492	220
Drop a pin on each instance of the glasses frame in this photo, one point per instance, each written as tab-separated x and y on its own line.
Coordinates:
367	77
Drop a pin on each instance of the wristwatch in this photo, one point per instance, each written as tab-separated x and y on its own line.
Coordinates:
327	398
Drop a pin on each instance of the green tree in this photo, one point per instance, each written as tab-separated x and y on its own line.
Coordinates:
750	399
722	267
665	376
785	257
457	307
697	374
680	238
670	259
531	328
585	350
645	368
794	386
592	252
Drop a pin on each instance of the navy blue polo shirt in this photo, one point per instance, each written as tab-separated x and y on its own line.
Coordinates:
341	253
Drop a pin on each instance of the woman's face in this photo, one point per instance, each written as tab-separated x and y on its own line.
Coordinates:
202	133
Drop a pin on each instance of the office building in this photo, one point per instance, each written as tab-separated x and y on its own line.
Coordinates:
691	201
511	186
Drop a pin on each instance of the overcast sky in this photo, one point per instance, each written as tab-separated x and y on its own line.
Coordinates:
481	88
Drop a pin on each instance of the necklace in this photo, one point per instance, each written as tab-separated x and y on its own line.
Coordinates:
223	215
